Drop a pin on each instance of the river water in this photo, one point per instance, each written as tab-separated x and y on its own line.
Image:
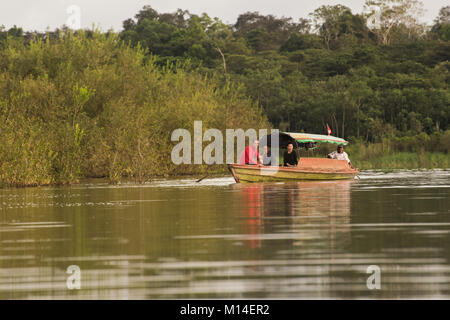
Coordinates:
175	239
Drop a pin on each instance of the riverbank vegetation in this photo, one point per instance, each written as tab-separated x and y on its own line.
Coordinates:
411	152
88	103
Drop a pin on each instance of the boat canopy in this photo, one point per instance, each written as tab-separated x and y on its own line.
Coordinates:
318	138
306	140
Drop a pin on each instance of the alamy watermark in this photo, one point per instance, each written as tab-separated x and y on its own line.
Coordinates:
190	150
373	14
74	279
74	19
374	280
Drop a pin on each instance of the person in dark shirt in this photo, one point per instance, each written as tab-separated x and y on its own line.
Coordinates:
290	156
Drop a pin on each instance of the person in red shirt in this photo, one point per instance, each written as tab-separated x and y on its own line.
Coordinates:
251	154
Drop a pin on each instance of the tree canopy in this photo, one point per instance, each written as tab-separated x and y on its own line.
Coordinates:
356	72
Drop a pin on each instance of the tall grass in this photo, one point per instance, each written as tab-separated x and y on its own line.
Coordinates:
406	160
411	152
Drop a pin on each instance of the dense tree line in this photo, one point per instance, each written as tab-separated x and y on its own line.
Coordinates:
367	75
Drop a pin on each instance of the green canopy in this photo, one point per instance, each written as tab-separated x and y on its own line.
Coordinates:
319	138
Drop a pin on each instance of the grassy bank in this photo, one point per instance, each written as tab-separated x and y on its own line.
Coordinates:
405	160
419	151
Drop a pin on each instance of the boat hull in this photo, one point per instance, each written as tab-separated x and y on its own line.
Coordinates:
253	173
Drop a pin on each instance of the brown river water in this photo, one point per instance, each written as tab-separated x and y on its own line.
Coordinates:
178	239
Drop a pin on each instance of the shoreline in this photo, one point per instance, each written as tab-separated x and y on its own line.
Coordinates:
193	177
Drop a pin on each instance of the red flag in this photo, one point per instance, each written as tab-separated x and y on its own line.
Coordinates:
328	129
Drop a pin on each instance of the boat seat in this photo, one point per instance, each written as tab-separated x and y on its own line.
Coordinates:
323	163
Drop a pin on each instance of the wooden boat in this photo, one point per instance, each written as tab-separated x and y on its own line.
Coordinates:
307	168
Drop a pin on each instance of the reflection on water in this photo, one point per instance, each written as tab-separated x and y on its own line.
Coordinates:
276	211
217	239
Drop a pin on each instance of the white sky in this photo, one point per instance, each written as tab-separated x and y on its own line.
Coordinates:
42	14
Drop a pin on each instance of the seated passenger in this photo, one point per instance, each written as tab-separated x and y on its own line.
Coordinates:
290	156
267	157
340	155
251	154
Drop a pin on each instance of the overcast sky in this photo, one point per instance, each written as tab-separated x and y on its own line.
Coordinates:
42	14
